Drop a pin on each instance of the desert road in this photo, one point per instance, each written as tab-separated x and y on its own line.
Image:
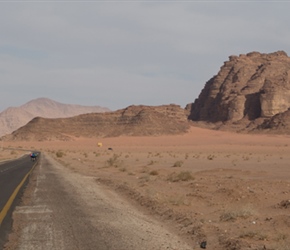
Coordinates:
61	210
12	176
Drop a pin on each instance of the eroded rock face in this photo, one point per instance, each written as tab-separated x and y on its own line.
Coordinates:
246	87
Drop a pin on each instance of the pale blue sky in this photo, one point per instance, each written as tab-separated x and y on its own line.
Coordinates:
118	53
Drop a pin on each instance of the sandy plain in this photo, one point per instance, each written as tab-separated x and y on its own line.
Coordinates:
230	190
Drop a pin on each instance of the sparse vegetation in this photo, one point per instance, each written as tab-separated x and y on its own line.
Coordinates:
210	157
254	235
60	154
235	214
182	176
177	164
176	200
144	178
151	162
197	181
113	161
153	172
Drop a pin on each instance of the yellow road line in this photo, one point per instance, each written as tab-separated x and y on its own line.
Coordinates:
8	205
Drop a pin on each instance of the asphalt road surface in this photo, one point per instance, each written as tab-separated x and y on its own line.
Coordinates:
62	210
12	173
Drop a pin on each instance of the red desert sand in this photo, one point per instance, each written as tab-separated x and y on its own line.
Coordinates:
232	190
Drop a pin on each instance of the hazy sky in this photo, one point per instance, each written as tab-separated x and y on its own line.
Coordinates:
118	53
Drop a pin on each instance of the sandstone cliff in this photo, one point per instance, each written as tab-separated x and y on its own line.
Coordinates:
246	88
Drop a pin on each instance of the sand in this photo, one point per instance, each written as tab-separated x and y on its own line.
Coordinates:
230	190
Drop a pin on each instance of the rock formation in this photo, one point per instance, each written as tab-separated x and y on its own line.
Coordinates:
133	121
247	87
279	123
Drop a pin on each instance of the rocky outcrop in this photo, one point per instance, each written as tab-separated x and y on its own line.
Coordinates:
278	123
247	87
131	121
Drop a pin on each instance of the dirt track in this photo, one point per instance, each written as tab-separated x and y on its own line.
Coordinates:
65	210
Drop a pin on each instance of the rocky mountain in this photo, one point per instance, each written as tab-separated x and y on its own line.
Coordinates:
132	121
248	91
16	117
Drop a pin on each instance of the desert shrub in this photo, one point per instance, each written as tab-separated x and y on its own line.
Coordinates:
210	157
59	154
182	176
177	164
154	172
144	178
233	215
281	237
177	200
151	162
285	245
113	161
253	235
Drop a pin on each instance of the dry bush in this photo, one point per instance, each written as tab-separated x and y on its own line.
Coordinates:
154	172
210	157
177	164
182	176
253	235
113	161
235	214
59	154
151	162
177	200
283	245
144	178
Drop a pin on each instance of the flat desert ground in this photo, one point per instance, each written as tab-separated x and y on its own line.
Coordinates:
230	190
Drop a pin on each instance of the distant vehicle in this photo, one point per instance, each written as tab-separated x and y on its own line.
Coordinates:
33	156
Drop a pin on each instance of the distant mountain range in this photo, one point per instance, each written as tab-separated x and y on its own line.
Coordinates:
15	117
